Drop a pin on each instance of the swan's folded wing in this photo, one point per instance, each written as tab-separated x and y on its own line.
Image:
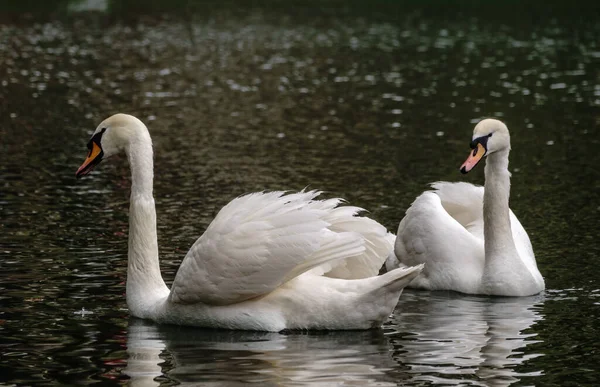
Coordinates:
256	243
429	234
464	202
378	245
522	242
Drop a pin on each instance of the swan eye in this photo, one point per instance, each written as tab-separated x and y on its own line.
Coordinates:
480	140
96	138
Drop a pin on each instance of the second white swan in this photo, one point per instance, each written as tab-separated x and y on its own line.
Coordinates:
467	236
268	261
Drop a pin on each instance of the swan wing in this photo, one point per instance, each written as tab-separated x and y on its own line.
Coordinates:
524	248
521	238
256	243
379	243
464	202
443	234
525	251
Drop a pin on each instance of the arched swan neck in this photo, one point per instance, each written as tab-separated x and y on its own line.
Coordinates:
496	212
145	285
140	157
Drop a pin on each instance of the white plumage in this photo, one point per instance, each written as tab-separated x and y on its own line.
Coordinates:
268	261
258	242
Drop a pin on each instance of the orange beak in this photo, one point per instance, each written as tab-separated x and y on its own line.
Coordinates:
474	157
94	157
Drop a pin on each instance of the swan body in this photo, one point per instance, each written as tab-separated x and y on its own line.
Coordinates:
467	236
268	261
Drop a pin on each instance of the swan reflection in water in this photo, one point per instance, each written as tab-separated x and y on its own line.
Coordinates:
435	338
225	358
449	338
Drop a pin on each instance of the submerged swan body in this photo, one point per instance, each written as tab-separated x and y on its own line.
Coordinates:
468	238
268	261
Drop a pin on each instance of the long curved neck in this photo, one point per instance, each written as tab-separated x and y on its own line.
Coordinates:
499	243
145	286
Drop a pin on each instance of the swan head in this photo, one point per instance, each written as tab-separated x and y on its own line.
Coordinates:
489	136
114	135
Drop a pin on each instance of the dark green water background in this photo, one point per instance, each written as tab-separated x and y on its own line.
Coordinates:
366	100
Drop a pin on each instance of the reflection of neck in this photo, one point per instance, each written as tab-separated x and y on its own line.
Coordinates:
496	214
144	348
505	339
145	285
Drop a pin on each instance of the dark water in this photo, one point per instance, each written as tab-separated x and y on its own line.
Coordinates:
368	101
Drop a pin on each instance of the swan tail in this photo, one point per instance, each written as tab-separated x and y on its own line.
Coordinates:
396	280
380	296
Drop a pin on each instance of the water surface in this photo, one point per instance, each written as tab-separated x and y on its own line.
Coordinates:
367	102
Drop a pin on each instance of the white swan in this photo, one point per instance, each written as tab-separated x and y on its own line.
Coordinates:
266	262
467	236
